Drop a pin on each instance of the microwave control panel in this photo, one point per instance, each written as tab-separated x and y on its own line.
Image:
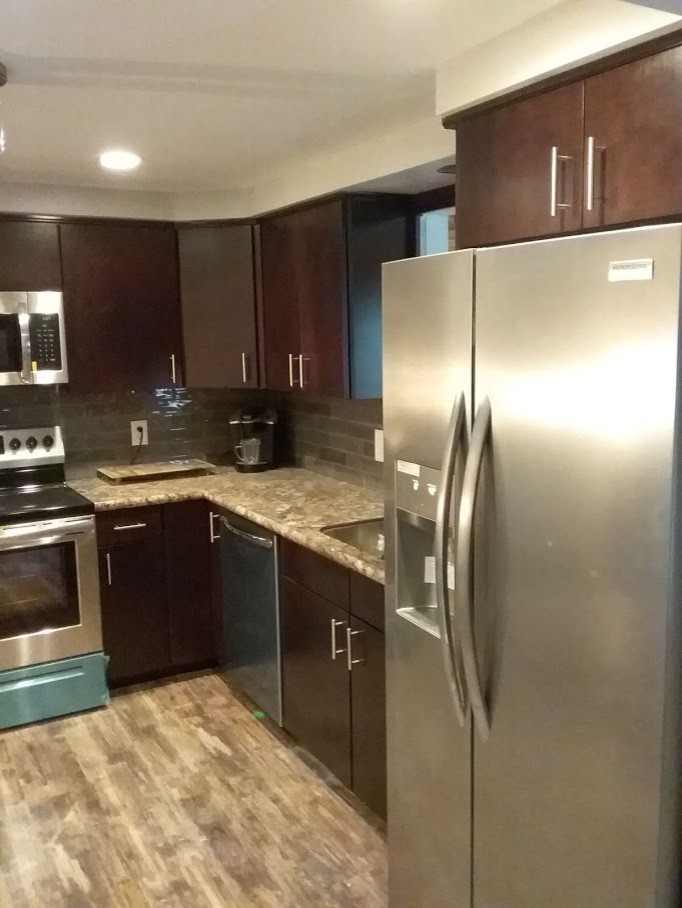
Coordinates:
46	351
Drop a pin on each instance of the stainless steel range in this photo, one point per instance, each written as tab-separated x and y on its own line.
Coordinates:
51	659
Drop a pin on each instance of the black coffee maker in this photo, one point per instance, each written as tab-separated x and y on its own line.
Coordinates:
253	433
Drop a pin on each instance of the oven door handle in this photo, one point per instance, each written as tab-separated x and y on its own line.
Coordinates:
47	533
39	539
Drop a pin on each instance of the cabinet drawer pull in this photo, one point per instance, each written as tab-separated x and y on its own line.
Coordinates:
130	526
349	648
173	375
108	560
244	368
334	624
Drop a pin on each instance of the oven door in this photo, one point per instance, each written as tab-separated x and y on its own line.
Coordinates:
49	591
15	359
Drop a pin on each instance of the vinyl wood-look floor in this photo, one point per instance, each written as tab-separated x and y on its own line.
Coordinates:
176	796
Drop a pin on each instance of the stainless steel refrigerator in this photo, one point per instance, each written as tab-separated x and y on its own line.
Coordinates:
533	580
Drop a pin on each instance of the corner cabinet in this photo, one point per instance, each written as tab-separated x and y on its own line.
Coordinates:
218	305
122	308
321	292
333	669
603	151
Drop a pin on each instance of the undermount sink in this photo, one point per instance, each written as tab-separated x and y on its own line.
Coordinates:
366	535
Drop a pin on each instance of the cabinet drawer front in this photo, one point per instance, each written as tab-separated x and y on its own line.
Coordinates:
128	525
316	573
367	600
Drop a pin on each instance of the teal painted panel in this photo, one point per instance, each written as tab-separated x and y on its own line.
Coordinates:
53	689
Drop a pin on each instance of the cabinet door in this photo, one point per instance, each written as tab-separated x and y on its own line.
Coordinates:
321	275
134	609
122	307
518	166
368	710
633	118
218	306
29	256
315	686
187	534
280	296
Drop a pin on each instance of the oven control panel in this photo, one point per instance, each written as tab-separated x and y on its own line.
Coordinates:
31	447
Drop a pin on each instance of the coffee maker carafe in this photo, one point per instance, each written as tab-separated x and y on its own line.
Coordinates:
253	439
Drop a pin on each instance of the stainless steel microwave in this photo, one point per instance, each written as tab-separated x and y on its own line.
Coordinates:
32	340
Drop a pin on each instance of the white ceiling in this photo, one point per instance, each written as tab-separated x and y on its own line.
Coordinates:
208	91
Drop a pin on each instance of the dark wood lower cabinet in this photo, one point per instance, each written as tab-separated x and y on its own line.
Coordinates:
335	705
316	687
187	535
134	609
368	711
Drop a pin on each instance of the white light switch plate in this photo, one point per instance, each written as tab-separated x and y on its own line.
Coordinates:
135	435
379	445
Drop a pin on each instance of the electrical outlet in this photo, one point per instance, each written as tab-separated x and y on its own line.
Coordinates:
379	445
135	426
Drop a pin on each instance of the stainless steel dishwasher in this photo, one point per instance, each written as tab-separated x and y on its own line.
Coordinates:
248	555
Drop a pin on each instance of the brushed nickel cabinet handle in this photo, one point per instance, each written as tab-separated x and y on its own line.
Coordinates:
244	368
213	536
291	370
301	380
173	374
349	648
108	560
130	526
554	203
334	624
589	175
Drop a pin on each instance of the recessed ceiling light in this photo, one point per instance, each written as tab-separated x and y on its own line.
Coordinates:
119	159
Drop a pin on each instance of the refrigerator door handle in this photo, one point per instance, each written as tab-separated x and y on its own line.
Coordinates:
456	440
464	588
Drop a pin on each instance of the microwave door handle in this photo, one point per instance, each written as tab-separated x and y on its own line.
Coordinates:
25	336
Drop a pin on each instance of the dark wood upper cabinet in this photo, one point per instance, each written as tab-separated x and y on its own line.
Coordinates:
519	170
321	292
29	256
315	686
633	119
320	277
122	308
218	306
281	333
368	709
189	553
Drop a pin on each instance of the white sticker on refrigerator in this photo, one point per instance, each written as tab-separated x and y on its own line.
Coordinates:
631	270
404	466
430	572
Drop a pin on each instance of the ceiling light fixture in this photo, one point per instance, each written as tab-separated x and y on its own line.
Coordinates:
119	159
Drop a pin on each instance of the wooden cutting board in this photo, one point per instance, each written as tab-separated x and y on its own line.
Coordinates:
144	472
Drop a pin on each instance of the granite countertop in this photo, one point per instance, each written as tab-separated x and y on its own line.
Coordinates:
292	502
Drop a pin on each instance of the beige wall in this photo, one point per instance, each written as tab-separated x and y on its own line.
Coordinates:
573	32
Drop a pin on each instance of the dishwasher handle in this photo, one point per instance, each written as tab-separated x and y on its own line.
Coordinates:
256	540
